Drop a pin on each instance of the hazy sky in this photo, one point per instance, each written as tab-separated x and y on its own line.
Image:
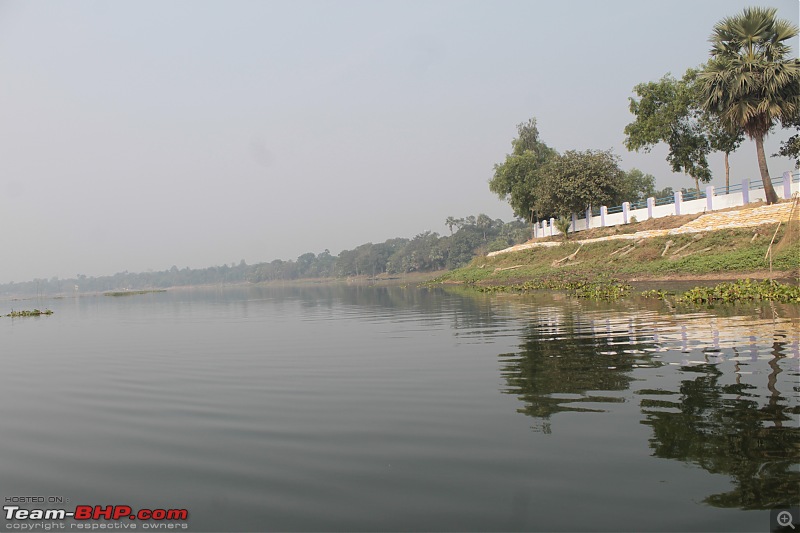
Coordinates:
141	135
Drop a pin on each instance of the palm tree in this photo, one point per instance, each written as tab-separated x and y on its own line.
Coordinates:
750	81
450	222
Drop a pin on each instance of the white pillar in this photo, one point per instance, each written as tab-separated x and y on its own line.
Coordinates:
651	203
626	208
603	215
678	200
745	191
787	185
710	198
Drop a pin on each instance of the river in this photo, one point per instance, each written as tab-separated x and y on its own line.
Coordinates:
342	408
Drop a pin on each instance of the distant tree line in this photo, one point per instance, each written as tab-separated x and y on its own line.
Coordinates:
426	252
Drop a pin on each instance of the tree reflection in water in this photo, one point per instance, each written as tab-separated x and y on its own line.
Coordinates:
570	360
565	361
725	429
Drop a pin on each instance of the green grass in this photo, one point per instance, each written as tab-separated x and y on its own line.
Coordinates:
132	293
720	252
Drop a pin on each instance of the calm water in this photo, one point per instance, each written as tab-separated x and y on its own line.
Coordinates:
357	408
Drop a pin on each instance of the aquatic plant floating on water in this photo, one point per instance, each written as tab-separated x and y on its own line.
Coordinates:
35	312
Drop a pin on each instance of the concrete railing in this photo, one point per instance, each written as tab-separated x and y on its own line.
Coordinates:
710	200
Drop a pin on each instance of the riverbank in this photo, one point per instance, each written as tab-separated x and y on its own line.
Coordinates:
764	251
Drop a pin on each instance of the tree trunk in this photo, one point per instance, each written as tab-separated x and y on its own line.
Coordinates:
727	174
769	191
697	186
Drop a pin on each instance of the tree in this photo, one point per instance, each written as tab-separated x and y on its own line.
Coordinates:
574	181
750	82
450	222
666	113
666	192
791	146
515	179
722	140
637	186
484	223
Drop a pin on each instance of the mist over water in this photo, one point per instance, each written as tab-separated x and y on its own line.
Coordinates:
367	408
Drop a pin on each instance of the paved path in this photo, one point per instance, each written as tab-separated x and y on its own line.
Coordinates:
741	218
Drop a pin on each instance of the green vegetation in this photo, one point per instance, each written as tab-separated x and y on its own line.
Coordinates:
517	178
751	81
743	290
540	183
426	252
733	291
132	293
735	251
671	111
791	146
749	85
583	287
35	312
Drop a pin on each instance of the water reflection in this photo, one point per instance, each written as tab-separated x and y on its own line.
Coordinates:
720	392
567	362
729	429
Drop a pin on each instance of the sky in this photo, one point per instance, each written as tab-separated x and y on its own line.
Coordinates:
141	135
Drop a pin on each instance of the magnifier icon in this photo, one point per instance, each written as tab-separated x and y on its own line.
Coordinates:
785	519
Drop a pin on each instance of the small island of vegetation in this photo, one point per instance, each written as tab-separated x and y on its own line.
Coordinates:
132	293
34	312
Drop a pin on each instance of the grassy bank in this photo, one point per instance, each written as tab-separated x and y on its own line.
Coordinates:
723	254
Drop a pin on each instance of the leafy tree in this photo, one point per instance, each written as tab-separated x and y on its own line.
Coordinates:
484	223
572	182
516	178
637	186
750	81
720	138
666	112
791	146
666	192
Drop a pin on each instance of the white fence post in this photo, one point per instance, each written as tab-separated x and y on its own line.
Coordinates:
745	191
574	223
588	217
678	200
651	203
787	185
552	223
603	214
710	198
626	207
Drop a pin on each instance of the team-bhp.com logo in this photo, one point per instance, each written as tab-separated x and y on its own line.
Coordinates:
95	512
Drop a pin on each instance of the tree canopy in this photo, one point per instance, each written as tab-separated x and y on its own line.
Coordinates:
750	82
637	186
516	178
791	146
666	111
574	181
